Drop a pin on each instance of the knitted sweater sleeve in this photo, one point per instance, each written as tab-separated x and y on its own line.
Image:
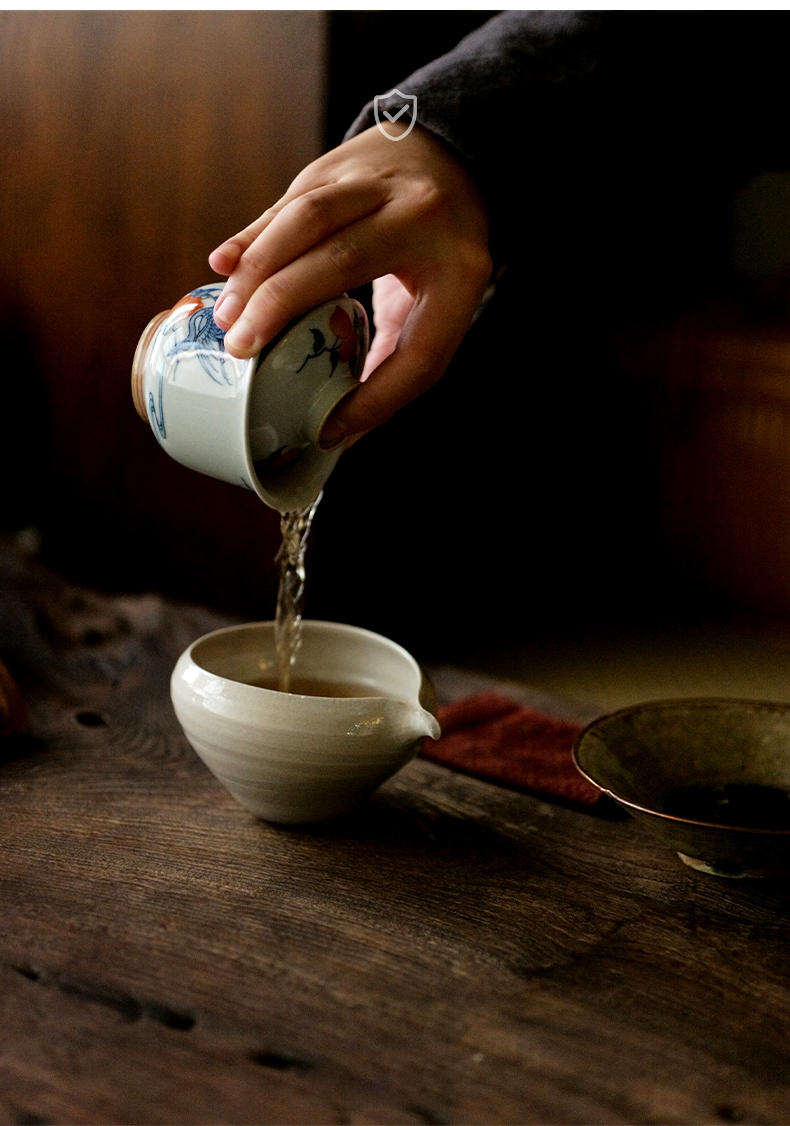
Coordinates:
533	97
518	76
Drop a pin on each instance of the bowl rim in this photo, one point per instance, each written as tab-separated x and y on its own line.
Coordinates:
424	692
666	705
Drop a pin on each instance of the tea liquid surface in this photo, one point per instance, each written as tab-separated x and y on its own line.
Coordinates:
310	686
749	806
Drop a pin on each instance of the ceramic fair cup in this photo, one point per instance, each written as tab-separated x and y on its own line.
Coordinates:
254	423
294	759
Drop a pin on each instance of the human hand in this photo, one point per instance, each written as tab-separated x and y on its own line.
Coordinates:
406	213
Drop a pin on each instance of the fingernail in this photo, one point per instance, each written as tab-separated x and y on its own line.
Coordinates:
241	337
230	307
332	434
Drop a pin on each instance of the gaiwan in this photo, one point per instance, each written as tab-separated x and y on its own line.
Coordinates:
254	423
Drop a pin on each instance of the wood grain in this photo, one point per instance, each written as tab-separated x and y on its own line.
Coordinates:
455	952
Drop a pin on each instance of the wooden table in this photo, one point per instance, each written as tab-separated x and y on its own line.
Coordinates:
455	952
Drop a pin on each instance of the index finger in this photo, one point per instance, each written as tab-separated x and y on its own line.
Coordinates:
297	227
350	257
224	258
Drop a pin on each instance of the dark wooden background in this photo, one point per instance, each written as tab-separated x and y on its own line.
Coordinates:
131	144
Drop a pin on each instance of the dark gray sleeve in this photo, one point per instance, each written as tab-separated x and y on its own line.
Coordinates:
477	91
607	145
510	86
534	101
511	78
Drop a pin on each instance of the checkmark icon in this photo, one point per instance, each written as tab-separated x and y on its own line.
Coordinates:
394	117
385	118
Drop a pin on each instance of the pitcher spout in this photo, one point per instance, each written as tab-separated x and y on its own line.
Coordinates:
426	707
412	722
426	724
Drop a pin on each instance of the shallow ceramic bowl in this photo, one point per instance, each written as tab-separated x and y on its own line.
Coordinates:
641	755
294	759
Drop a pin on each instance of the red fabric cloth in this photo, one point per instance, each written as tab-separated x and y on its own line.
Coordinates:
492	737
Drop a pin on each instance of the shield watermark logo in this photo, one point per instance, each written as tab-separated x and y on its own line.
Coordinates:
395	107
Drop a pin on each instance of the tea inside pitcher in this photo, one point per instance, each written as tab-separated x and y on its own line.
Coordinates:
312	686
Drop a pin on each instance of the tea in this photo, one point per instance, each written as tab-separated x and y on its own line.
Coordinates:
748	805
295	527
310	686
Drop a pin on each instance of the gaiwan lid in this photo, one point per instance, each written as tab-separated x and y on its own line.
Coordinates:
257	422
